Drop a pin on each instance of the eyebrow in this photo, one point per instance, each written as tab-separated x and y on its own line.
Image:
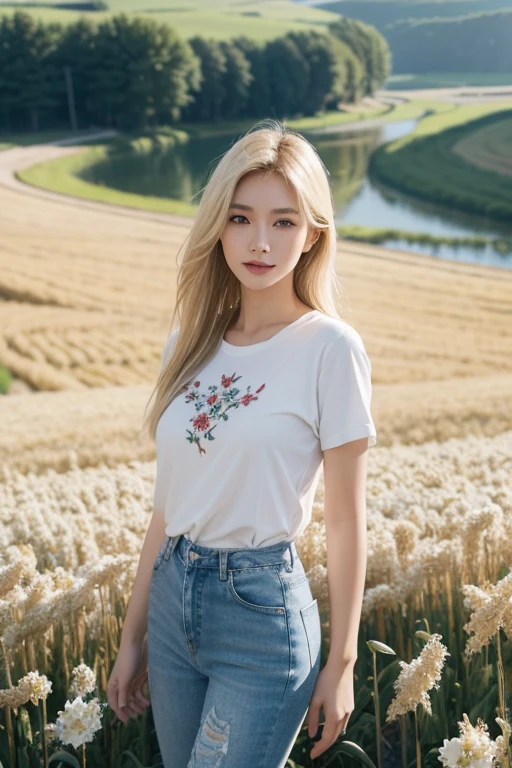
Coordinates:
243	207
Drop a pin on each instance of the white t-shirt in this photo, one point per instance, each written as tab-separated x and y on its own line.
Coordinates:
239	451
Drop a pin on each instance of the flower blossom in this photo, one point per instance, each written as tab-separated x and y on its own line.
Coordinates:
78	722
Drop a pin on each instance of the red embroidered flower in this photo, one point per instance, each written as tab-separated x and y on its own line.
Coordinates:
201	422
217	406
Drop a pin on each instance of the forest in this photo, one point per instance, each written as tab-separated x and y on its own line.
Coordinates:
130	72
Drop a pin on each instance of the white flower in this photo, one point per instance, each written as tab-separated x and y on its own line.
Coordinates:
39	686
417	678
78	722
474	748
450	752
84	681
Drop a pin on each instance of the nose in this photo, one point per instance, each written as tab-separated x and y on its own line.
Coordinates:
260	247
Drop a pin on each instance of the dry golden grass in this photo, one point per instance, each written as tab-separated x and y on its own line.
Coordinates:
86	295
103	425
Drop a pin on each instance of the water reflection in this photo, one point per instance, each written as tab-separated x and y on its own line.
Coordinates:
182	170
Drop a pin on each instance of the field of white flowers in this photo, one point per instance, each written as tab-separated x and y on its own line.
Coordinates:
439	517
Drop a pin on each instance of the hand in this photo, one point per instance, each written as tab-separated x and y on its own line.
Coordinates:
129	674
334	692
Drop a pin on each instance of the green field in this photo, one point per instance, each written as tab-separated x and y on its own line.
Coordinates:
377	235
447	80
423	163
385	13
259	21
489	148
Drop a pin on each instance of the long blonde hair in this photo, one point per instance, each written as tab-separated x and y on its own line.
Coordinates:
208	293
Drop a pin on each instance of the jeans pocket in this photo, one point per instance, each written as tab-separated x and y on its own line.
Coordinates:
255	588
311	620
160	555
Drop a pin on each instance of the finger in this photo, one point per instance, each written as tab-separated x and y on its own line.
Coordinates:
130	711
112	694
119	713
319	747
141	684
124	709
145	702
330	728
313	718
328	735
122	696
134	705
122	715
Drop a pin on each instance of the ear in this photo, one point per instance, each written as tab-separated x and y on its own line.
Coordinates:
311	239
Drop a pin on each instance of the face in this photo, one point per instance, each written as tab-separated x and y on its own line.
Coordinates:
264	226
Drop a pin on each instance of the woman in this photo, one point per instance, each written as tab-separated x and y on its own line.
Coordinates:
261	385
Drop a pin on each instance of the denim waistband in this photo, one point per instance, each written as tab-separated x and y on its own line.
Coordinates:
231	558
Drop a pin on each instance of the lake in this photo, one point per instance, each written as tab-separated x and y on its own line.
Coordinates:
180	172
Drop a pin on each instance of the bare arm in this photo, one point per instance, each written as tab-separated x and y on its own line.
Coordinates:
130	672
345	523
136	618
345	469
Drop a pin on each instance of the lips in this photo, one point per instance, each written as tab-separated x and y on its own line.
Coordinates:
257	264
258	268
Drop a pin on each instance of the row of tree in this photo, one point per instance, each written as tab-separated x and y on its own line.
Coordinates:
132	73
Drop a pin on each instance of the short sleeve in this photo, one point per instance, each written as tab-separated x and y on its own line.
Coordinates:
168	347
345	393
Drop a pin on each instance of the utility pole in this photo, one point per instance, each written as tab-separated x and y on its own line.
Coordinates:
71	98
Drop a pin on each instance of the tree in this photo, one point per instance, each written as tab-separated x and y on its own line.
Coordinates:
144	72
319	51
208	100
259	87
348	85
27	76
288	73
370	48
237	81
77	50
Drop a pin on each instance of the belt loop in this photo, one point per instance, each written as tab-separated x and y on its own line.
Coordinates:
171	546
223	565
290	547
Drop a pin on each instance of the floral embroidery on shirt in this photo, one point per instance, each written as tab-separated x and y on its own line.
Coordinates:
214	405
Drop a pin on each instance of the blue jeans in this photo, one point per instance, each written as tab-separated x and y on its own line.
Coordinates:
234	640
